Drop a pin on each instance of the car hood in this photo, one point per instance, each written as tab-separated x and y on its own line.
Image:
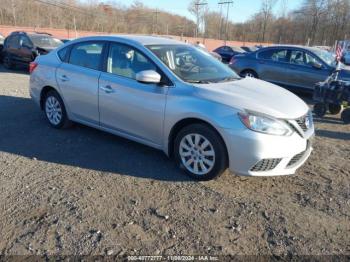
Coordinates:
255	95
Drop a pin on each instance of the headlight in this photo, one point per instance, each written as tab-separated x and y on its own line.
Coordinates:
264	124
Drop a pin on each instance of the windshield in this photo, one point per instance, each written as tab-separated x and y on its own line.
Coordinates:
325	56
193	64
2	39
45	41
238	49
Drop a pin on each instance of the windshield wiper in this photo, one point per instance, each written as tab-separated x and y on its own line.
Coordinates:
198	81
227	79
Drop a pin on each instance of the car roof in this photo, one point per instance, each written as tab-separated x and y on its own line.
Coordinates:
312	49
140	39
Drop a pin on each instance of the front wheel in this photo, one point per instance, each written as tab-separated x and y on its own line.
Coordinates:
345	116
334	109
55	111
200	152
320	109
249	73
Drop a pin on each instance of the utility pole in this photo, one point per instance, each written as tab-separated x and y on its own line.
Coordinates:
198	4
227	3
155	25
220	30
14	12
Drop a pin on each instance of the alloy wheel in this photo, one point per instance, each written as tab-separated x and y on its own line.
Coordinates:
197	154
53	110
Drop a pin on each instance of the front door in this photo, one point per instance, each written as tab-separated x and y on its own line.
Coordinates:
301	71
78	80
126	105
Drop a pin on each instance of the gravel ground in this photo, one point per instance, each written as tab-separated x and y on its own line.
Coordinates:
82	191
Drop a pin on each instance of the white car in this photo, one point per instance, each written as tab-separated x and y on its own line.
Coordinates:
176	98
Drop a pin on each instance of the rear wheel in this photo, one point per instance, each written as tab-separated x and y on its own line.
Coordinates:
320	109
345	116
55	111
249	73
200	152
8	63
335	109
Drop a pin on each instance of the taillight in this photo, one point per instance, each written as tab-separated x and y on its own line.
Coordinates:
32	67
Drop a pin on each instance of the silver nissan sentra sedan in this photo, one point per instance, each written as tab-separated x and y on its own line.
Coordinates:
176	98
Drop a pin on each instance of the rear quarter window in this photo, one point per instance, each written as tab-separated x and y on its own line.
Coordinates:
62	54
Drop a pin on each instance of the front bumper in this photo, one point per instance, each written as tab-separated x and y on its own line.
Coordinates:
255	154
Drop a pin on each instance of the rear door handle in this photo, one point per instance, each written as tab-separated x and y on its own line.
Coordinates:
107	89
64	78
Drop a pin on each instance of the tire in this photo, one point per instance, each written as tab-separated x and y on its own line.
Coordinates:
345	116
191	158
334	109
249	73
7	62
55	111
320	109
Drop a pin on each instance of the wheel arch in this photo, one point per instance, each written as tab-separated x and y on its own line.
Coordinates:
44	91
186	122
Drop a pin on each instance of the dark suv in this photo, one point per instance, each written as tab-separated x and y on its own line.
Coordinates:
21	48
2	39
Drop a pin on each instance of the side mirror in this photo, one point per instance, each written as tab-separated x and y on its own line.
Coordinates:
317	65
148	77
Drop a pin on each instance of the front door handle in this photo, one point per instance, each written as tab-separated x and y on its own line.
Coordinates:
108	89
64	78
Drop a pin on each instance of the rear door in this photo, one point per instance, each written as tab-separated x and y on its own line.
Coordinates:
126	105
12	47
273	65
301	71
78	80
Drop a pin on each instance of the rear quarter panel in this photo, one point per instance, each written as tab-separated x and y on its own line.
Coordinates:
44	75
245	63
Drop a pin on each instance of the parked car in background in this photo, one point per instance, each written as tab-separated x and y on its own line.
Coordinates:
21	48
2	39
289	66
249	49
227	52
216	55
176	98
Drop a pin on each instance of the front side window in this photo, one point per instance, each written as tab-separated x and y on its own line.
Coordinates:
24	42
126	61
87	54
302	58
192	64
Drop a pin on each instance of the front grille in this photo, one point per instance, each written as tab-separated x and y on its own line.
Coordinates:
295	159
302	122
266	164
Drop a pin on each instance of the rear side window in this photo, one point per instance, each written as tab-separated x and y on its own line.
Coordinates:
12	42
274	55
87	54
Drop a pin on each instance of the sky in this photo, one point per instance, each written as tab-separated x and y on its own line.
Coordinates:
240	11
